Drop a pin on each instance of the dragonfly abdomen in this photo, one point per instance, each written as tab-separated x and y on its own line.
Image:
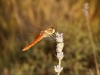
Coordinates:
33	43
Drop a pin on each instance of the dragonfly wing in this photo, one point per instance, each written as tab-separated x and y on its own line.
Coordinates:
51	22
29	27
27	31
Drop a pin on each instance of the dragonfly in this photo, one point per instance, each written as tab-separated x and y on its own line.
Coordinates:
44	33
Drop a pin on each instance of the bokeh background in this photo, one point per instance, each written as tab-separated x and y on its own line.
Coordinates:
67	17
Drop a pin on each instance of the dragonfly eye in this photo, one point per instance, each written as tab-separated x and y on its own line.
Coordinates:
49	31
52	30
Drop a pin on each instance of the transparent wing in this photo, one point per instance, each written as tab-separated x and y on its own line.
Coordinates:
51	22
30	31
27	31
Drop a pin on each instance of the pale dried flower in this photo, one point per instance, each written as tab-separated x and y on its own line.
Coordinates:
60	55
58	69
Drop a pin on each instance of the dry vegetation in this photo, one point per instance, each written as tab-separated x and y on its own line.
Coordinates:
40	59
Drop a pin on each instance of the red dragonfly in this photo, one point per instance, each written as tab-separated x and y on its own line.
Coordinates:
44	33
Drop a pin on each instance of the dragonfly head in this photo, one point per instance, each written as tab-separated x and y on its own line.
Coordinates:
51	30
48	32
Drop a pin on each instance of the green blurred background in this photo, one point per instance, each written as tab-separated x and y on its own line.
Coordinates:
40	59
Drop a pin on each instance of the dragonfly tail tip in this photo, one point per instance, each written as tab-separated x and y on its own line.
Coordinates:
23	50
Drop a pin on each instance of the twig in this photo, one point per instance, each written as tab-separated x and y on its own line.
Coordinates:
86	7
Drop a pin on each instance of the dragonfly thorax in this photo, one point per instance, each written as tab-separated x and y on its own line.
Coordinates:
47	32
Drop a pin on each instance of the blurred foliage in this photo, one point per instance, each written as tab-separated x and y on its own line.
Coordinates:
40	59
